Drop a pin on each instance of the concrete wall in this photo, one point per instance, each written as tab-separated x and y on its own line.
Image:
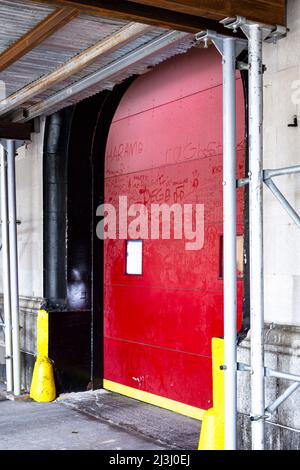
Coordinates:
282	148
29	178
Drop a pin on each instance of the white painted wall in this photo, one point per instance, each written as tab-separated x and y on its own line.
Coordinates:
282	148
29	178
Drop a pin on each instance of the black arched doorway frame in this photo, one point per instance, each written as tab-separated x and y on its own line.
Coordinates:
73	181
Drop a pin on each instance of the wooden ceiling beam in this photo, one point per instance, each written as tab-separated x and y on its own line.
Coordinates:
187	15
151	15
37	35
266	11
15	131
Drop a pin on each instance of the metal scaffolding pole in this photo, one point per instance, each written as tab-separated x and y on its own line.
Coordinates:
13	251
6	272
229	48
255	38
229	241
256	33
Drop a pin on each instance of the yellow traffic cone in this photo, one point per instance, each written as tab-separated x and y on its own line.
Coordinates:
43	385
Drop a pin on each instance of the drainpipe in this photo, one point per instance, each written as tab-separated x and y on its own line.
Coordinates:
13	253
6	272
54	214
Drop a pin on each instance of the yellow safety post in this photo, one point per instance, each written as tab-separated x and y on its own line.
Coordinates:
43	385
212	429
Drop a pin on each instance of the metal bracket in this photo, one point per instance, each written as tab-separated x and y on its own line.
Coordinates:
259	418
243	367
242	66
281	375
217	39
270	33
205	36
290	170
294	123
283	397
240	183
233	23
267	177
277	33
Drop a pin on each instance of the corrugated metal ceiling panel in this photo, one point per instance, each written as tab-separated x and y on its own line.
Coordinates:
16	20
20	16
139	69
103	61
81	33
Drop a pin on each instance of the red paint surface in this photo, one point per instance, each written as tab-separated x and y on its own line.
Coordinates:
165	145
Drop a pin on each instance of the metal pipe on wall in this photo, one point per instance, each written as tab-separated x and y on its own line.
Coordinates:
13	252
54	213
6	272
229	241
256	233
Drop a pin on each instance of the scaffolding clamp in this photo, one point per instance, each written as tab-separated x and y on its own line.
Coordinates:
242	65
243	367
233	23
271	33
240	183
217	39
260	418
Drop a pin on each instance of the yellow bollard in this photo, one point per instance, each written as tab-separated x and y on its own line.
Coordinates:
212	429
42	329
43	384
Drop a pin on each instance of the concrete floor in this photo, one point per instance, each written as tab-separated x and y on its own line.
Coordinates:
172	429
93	420
51	426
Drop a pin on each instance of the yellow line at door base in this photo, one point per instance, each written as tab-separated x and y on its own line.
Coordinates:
152	399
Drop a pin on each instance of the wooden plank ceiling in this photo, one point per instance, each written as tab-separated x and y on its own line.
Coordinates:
187	15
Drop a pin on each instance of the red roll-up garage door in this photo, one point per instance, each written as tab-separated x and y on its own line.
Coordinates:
165	146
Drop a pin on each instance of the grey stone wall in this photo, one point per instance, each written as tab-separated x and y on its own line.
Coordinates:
29	308
282	353
29	183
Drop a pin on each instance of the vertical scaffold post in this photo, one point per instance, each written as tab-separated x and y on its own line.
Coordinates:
229	241
6	272
229	48
255	38
13	251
